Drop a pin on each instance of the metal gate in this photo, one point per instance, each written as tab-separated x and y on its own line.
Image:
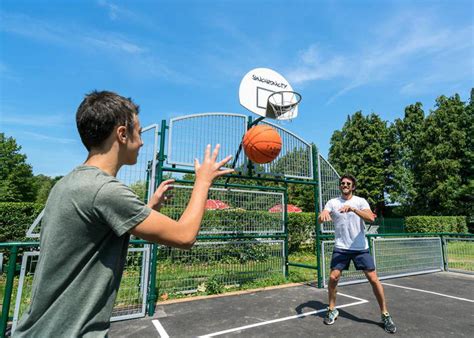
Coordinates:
394	257
131	298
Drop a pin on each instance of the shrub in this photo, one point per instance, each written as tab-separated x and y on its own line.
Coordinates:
16	218
214	285
420	224
301	230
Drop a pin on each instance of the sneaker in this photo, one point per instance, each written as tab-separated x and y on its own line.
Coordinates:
388	323
331	316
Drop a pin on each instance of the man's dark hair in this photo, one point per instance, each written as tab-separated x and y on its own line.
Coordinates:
349	177
98	115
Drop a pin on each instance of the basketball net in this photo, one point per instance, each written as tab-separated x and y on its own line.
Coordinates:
281	105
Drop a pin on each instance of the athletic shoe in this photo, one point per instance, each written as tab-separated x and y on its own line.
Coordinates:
331	316
388	323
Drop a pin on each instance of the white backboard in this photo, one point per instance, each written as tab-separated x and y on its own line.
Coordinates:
257	85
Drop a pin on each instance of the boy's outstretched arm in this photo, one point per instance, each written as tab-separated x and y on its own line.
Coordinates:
162	229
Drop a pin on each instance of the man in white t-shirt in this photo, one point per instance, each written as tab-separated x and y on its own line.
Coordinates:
348	212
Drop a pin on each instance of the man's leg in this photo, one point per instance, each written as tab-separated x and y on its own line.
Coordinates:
334	277
332	313
339	261
377	288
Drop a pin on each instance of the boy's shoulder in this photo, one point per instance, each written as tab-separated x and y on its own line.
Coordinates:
84	180
91	174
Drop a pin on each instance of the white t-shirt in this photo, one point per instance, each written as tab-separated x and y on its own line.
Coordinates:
349	228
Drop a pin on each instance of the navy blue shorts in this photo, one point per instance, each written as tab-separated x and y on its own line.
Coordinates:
341	259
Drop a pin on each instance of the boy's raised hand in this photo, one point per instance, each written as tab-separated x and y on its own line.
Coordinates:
209	169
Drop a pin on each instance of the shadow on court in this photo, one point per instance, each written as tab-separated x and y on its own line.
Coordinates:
431	305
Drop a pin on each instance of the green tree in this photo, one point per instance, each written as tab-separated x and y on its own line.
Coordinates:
444	178
467	164
302	195
42	185
360	149
139	188
16	176
403	153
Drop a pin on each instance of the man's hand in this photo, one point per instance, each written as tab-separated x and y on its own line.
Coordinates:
160	197
325	216
347	208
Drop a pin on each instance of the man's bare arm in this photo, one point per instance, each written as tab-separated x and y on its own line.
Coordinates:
366	214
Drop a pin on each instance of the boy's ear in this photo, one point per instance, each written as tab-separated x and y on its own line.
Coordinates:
122	134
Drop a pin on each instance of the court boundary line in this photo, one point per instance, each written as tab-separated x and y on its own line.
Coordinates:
430	292
161	330
245	327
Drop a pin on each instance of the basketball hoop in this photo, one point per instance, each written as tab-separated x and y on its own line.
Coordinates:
282	105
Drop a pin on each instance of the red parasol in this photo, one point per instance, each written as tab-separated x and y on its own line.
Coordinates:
289	208
216	205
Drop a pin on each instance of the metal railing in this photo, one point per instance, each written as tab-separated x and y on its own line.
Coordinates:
406	254
218	261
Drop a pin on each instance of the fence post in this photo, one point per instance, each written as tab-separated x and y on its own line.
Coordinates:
153	295
444	248
8	290
285	225
316	211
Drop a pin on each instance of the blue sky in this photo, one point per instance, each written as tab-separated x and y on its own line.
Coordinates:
181	57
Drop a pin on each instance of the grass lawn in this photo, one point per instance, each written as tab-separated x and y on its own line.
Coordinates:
461	255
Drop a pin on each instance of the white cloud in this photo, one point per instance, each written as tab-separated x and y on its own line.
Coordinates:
40	120
47	138
113	43
121	13
315	67
7	74
113	10
67	35
144	62
406	46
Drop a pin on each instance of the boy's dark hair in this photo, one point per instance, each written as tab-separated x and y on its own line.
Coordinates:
349	177
99	113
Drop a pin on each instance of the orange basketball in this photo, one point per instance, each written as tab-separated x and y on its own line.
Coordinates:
262	144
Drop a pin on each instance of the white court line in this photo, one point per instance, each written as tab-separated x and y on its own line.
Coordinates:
161	330
433	293
360	301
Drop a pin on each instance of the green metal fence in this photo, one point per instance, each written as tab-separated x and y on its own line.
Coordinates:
407	254
219	262
212	266
390	225
460	254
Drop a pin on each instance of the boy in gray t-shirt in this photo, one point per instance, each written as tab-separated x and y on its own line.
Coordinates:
89	217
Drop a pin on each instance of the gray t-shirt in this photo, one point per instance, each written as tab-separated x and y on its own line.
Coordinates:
349	229
83	247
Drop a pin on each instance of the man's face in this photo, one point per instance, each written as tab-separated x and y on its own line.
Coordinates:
346	186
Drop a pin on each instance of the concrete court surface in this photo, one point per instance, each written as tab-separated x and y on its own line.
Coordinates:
430	305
